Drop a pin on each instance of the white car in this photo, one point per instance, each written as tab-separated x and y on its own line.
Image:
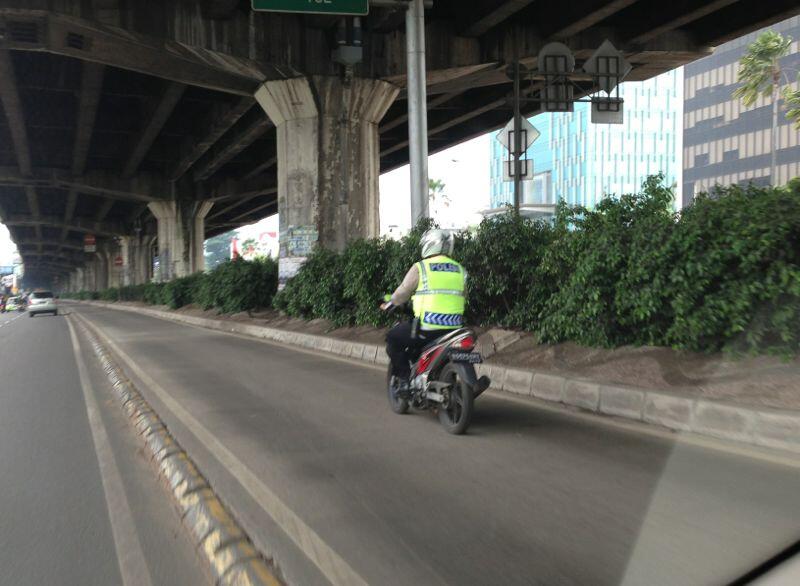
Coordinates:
41	302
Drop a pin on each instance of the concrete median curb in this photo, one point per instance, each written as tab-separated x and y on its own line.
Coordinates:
231	556
770	428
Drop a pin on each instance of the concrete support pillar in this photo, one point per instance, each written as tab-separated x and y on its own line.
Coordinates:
79	283
126	272
143	259
114	271
90	276
167	218
100	269
135	252
181	235
328	161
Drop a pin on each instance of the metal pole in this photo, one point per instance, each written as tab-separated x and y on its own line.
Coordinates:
517	138
776	96
417	109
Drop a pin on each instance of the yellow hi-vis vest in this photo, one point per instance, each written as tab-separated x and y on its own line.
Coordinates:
439	299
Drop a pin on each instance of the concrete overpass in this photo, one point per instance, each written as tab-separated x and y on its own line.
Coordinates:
138	122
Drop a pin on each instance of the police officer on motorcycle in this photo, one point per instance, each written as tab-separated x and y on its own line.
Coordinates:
436	286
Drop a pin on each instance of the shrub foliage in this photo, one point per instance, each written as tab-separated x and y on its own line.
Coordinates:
723	274
231	287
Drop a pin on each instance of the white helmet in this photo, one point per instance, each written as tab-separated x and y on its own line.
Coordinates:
435	242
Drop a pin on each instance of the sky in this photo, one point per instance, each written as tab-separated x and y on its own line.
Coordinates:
464	169
7	247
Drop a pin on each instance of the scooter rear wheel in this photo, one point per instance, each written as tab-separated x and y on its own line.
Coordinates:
397	404
456	415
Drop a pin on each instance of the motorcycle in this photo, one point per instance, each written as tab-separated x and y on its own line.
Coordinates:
443	380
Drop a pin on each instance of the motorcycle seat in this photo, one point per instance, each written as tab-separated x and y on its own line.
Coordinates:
444	338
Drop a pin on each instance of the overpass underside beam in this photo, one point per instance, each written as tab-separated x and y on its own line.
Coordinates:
328	161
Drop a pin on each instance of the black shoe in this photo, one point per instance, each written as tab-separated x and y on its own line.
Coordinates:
402	388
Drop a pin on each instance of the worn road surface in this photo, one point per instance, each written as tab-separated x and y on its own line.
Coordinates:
65	518
338	489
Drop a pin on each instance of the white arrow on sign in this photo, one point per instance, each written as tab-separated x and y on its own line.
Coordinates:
529	135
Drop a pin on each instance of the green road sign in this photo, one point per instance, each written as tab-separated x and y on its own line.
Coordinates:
355	7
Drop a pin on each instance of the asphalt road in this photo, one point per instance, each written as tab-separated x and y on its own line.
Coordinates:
336	487
64	519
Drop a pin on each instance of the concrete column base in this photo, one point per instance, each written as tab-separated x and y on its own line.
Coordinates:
135	253
79	283
126	273
181	235
328	161
90	276
113	271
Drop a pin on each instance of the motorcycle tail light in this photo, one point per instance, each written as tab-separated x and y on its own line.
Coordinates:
427	358
465	343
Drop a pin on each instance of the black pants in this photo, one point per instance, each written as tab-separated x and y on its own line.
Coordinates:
400	346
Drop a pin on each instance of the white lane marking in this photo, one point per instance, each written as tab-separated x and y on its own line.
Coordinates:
330	563
132	563
12	320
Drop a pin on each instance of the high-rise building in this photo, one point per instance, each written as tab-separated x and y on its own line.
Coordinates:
725	142
580	162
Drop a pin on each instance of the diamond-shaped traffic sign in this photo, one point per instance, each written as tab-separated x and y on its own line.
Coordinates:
528	133
608	66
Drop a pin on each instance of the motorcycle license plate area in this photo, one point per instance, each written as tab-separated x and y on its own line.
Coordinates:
471	357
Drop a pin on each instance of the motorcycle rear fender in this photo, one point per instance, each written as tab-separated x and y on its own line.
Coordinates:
466	372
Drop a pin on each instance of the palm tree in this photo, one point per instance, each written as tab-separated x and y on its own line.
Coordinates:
792	99
760	72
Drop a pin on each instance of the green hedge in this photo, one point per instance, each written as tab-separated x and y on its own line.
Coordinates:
231	287
605	270
82	295
502	258
347	288
236	286
725	273
736	273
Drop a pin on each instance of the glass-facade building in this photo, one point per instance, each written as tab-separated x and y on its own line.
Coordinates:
581	162
725	142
